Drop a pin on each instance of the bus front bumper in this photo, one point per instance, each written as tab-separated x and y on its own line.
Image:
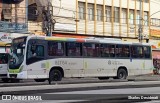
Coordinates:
21	75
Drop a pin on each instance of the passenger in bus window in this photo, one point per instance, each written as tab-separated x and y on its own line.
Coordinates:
78	51
133	51
111	51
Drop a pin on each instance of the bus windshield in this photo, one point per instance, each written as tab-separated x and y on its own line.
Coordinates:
17	53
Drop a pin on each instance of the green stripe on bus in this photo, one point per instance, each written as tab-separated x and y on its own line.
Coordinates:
47	65
14	70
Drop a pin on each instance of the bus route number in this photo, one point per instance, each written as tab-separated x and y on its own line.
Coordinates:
61	62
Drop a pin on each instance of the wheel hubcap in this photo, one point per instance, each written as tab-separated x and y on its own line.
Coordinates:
121	75
56	76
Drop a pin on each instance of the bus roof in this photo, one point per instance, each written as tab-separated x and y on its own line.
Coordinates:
93	40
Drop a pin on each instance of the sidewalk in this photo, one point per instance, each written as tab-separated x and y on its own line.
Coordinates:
145	78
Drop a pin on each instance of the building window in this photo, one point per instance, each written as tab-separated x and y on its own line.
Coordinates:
108	14
124	16
146	18
146	1
138	17
99	13
153	22
6	14
131	16
81	7
32	12
90	12
116	14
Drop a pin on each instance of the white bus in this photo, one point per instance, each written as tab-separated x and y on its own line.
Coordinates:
51	58
3	62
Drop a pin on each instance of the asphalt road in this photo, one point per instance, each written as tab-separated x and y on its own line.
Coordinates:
123	95
85	90
81	80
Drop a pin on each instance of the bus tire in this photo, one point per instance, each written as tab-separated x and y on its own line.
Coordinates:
5	80
40	80
121	74
103	78
55	75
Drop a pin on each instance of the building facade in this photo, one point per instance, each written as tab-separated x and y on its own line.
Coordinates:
114	18
106	18
13	16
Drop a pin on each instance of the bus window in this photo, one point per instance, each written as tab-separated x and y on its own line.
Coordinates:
73	49
147	52
3	58
134	52
39	51
122	51
107	50
137	52
140	52
90	50
55	48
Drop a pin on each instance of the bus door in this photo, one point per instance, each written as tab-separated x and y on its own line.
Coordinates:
137	60
36	64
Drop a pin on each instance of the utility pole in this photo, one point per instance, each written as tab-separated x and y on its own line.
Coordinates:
16	17
49	22
140	37
47	19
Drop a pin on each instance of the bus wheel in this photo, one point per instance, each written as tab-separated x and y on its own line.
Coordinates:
103	78
40	80
55	75
122	74
5	80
